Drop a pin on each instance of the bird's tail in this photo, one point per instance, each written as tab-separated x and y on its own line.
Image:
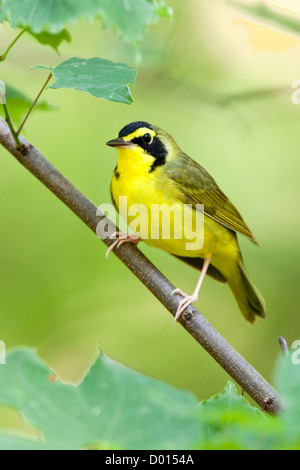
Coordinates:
246	294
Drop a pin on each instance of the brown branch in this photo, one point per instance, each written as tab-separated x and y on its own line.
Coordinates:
194	322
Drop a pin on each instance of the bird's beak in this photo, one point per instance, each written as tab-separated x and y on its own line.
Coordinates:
119	142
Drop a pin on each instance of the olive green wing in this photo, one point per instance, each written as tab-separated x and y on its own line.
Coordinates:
196	186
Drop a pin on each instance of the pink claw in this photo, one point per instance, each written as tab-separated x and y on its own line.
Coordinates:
184	303
122	238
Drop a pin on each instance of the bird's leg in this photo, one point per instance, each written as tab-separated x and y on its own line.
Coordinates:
190	299
122	237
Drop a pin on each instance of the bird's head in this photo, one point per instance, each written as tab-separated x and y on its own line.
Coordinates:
144	143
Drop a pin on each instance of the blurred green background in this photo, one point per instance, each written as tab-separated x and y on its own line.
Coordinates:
220	83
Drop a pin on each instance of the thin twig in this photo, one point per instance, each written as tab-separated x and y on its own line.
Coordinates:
10	125
4	55
34	103
194	322
283	345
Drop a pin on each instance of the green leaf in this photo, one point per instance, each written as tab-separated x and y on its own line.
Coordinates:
232	423
129	18
287	382
113	408
18	104
164	11
226	404
98	77
53	40
11	442
264	12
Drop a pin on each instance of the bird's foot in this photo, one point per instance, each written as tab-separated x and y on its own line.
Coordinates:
190	299
122	238
184	303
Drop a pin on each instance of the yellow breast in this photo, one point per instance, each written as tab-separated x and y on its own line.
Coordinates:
145	193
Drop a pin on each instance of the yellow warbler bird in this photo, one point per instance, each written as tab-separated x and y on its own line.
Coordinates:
152	171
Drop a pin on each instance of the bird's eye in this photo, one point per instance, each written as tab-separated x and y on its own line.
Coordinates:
147	138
